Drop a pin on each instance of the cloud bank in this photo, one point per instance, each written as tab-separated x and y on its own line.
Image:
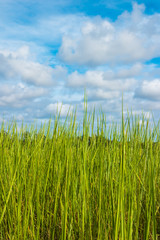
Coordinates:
133	37
55	57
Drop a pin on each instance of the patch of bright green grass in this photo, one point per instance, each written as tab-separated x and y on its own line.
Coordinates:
55	184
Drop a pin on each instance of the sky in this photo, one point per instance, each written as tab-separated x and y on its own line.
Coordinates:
52	51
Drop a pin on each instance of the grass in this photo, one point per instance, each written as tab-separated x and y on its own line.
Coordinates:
55	184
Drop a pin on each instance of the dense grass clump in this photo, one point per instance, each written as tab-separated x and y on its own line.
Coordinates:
67	184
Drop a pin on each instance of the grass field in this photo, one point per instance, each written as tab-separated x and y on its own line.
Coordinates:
56	184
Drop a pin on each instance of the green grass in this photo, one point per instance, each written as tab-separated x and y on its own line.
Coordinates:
56	185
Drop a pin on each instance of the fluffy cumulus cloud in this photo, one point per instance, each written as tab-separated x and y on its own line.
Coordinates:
56	57
149	90
18	65
19	95
132	37
100	94
61	108
108	80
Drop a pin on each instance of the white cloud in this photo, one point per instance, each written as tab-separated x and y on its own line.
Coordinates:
116	49
133	37
62	108
31	72
19	95
149	90
100	94
76	79
17	65
105	80
45	30
123	72
56	26
21	53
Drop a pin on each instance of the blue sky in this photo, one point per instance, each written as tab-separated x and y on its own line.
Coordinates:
50	51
